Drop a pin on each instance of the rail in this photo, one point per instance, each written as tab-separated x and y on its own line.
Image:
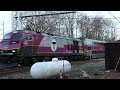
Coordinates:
13	70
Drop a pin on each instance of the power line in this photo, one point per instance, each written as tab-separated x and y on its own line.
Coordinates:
109	25
70	18
90	18
76	18
57	14
113	16
45	14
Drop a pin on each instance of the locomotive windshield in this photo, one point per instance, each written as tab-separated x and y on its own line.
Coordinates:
16	36
7	36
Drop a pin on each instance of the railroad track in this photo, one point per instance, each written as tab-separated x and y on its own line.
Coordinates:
9	70
85	61
13	70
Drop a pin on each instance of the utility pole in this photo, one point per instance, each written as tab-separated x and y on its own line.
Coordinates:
76	32
3	28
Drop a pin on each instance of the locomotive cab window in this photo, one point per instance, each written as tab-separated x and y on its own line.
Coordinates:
28	37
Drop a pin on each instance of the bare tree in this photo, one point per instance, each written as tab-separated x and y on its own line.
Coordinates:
96	28
69	24
47	24
89	27
110	32
84	26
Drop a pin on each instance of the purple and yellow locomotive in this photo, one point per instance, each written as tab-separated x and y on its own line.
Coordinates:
26	45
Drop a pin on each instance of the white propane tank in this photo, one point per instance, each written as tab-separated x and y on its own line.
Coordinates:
43	70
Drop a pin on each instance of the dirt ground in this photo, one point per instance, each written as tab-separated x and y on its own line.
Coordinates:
94	69
90	69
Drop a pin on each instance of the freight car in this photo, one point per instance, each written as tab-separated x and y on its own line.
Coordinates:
28	46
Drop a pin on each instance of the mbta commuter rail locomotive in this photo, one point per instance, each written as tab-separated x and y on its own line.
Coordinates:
26	45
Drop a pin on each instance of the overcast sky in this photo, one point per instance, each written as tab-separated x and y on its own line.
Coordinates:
6	17
106	14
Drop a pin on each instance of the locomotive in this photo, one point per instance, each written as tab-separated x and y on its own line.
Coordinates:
29	46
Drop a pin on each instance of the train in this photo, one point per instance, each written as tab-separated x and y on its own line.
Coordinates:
26	45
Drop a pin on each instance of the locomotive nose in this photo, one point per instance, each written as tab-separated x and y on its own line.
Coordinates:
6	47
4	42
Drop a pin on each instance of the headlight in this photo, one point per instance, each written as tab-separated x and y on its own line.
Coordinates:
1	51
13	51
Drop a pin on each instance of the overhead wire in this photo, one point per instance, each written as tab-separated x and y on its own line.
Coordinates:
90	18
113	16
